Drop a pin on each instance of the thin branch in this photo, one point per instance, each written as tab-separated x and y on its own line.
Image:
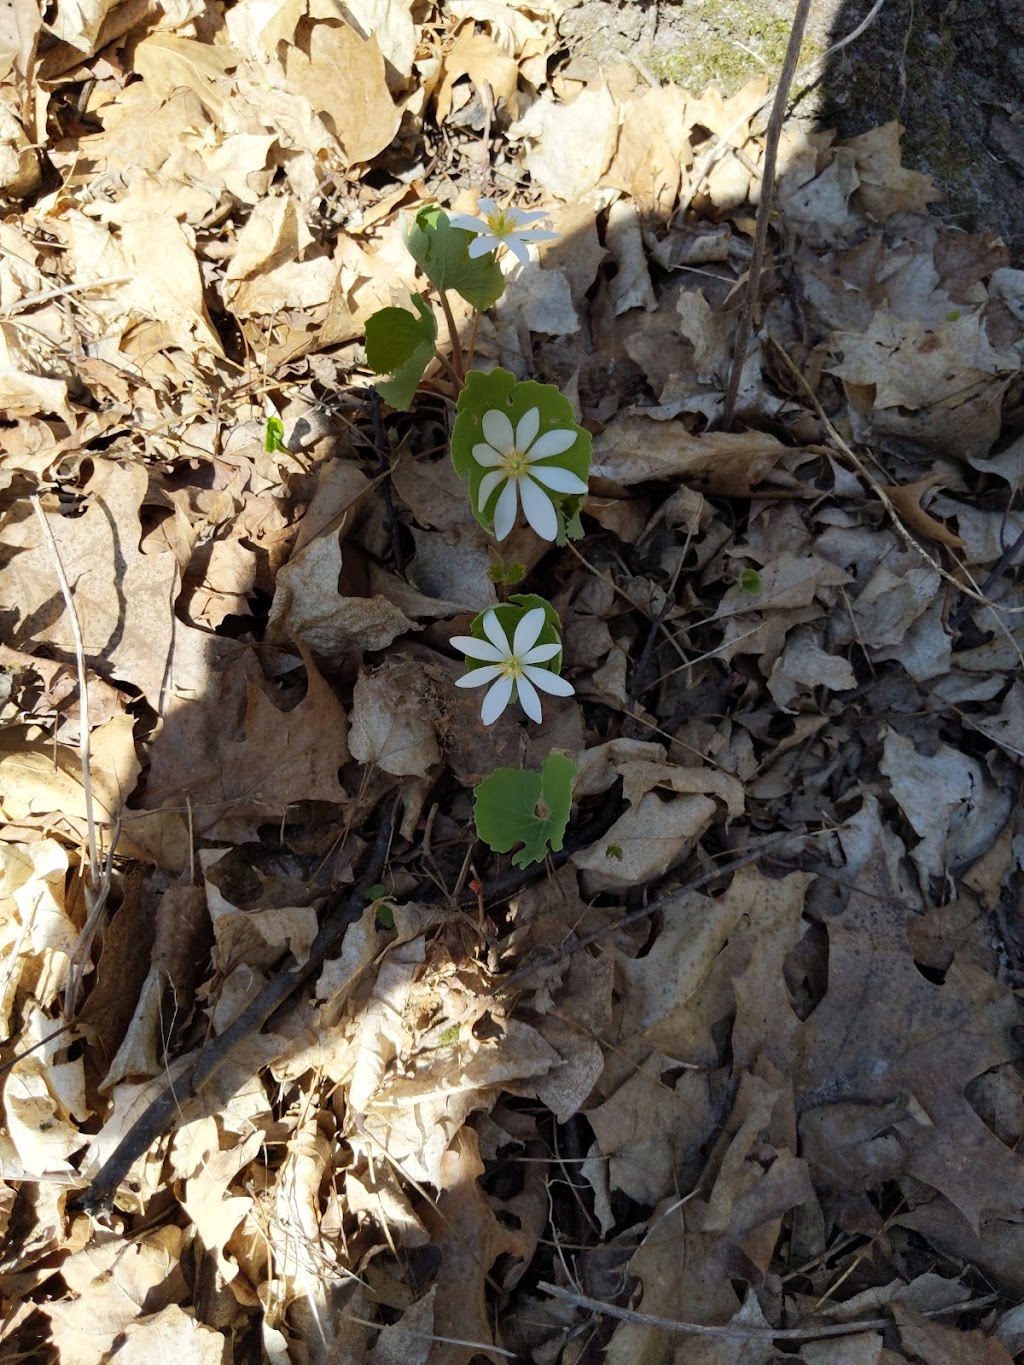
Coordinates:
806	77
752	1332
1002	564
83	692
162	1111
975	593
741	341
576	945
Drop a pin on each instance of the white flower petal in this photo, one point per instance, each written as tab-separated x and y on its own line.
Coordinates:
486	205
527	631
498	430
527	428
488	484
517	249
560	480
485	455
467	222
494	633
548	681
551	443
540	654
480	246
529	700
538	509
505	511
476	677
479	649
524	216
537	234
496	700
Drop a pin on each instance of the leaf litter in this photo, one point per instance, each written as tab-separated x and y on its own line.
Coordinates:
736	1064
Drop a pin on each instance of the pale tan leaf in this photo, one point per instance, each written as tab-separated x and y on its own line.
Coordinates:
342	75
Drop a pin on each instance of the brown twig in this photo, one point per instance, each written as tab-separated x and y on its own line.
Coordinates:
84	730
161	1112
973	592
97	883
700	1329
764	209
1001	565
577	945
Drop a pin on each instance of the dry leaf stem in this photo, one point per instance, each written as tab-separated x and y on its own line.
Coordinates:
764	209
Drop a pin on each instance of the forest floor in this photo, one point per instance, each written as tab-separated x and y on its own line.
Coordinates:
294	1067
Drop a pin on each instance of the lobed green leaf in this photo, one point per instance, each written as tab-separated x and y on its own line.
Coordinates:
516	805
442	253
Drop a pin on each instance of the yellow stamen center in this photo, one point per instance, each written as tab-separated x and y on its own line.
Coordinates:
500	222
515	464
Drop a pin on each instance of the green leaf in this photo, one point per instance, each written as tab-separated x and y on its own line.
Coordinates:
498	389
400	343
385	917
516	805
273	436
442	253
750	581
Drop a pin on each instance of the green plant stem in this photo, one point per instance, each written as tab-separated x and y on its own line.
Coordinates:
448	368
453	334
472	338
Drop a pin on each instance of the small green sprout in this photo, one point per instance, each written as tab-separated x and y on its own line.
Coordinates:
273	436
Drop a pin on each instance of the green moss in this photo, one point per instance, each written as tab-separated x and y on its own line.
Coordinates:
739	41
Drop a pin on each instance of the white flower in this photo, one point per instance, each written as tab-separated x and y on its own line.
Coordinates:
511	457
497	226
514	666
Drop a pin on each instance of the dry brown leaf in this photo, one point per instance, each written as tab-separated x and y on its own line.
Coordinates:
173	1331
941	1345
37	935
569	147
307	607
650	838
391	721
41	781
342	76
123	596
651	170
114	1284
951	803
893	1051
235	756
478	57
463	1224
906	498
887	187
633	448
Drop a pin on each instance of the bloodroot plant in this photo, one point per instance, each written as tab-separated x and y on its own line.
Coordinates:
518	447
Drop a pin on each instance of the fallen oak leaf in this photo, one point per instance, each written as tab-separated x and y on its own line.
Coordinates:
906	498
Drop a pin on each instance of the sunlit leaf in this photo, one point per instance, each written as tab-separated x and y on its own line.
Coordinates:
442	253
